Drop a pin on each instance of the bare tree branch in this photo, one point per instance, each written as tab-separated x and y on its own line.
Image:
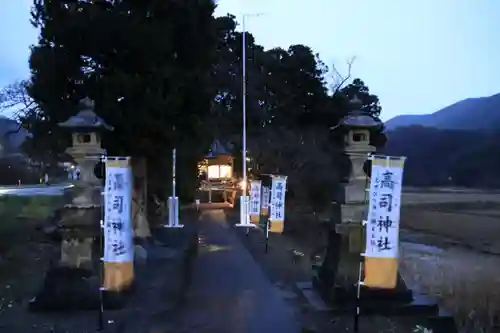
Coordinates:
338	79
15	98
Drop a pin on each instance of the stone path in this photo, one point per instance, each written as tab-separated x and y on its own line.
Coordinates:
229	292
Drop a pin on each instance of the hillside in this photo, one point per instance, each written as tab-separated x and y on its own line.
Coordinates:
469	114
447	157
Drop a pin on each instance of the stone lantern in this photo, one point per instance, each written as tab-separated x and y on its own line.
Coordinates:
357	126
83	209
86	128
338	274
80	217
340	268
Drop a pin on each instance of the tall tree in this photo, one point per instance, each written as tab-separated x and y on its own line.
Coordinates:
370	103
155	65
146	65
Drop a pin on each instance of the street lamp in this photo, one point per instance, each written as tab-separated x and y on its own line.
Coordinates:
244	184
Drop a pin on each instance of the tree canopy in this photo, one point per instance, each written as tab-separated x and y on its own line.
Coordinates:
168	73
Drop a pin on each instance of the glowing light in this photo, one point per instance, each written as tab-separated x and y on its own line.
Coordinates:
225	171
213	172
220	171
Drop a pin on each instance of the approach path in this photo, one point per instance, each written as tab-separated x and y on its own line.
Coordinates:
229	292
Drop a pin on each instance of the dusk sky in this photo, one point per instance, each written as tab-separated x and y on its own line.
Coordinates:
417	56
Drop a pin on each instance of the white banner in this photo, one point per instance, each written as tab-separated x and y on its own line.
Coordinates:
265	197
255	186
382	229
244	207
118	239
278	188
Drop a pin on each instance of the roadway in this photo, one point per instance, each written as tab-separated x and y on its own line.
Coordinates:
34	190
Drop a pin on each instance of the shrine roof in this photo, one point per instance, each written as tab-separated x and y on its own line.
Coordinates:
217	149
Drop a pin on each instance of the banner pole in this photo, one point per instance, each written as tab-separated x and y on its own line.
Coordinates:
100	316
360	272
268	219
247	206
358	297
267	234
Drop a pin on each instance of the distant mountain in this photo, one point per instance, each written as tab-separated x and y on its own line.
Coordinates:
470	114
438	157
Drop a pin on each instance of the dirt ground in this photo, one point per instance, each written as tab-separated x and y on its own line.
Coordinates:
451	249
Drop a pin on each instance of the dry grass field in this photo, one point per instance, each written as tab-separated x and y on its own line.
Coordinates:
463	269
469	218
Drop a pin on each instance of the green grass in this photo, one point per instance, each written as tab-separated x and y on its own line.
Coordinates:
20	215
38	207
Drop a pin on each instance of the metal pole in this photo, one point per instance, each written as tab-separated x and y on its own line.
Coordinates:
244	208
173	203
244	99
173	171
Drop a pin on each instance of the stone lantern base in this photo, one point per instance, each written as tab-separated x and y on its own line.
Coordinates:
67	289
74	282
75	289
336	281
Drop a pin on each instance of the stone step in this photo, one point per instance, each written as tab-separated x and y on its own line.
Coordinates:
402	295
395	302
420	306
442	323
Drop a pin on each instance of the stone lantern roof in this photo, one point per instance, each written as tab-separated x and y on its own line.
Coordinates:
356	118
86	120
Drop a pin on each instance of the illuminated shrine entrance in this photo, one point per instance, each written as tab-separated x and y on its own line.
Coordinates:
216	173
219	171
